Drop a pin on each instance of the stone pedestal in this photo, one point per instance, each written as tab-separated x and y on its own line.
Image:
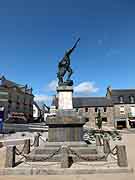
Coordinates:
65	126
65	97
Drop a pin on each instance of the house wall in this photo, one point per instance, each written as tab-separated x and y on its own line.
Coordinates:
118	115
91	115
13	101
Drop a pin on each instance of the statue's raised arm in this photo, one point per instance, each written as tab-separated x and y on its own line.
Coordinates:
72	49
64	67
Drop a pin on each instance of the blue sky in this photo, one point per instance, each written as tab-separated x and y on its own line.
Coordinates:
34	35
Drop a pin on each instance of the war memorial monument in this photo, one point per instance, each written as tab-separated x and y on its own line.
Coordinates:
65	128
65	144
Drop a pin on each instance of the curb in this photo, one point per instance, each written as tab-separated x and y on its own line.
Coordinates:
44	171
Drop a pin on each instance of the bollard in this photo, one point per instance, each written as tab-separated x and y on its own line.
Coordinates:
121	156
106	146
36	140
64	157
26	146
10	156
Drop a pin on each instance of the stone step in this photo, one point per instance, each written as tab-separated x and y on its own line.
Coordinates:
57	158
49	150
70	144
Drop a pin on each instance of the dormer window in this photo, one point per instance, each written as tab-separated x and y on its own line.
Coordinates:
121	99
131	99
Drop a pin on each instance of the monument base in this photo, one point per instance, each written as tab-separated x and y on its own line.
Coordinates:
65	126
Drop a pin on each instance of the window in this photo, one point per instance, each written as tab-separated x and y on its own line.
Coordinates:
121	99
9	101
104	119
132	111
131	99
24	101
86	109
9	98
17	99
105	109
122	110
96	109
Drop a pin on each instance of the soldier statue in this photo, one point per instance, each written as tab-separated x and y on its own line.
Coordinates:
64	66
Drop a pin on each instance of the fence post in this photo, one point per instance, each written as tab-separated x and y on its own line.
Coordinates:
36	140
26	146
10	156
121	156
64	157
106	145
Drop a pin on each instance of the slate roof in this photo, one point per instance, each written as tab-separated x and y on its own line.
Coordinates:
11	84
91	102
81	102
125	93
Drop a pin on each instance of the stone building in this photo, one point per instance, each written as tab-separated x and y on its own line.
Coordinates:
117	107
123	106
16	98
89	106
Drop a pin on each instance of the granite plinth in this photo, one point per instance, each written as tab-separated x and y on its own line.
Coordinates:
65	127
65	97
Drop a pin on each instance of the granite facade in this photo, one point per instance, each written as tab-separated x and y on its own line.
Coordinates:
110	106
16	98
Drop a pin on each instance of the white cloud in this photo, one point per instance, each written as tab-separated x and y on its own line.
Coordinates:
52	85
86	88
41	99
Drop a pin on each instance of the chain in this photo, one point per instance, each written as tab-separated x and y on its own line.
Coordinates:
31	145
17	152
112	151
42	139
85	158
112	156
51	155
20	152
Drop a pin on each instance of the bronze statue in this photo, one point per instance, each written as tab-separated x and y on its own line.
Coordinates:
64	66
